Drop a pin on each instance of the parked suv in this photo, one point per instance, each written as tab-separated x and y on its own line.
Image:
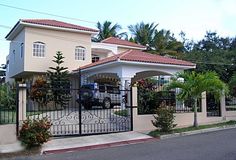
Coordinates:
100	95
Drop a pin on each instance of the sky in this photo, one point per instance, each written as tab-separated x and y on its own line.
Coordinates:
194	17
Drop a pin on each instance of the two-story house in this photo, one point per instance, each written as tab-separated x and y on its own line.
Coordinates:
34	42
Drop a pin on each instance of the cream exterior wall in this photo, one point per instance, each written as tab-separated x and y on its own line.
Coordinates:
55	41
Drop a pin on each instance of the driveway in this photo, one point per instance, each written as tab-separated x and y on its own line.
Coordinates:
220	145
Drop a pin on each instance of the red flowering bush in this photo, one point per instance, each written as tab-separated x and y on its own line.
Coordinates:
35	132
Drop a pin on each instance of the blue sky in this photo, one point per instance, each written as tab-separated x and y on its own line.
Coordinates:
194	17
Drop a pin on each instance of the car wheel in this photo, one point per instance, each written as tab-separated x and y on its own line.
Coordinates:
106	103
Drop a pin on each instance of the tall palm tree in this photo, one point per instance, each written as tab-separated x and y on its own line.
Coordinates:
107	30
164	43
195	84
143	33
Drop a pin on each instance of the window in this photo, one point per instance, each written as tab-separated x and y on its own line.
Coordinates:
39	49
80	53
21	49
95	58
14	55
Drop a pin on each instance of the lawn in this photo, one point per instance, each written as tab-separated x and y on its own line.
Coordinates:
123	113
157	133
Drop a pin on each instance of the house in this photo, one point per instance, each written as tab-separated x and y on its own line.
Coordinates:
34	42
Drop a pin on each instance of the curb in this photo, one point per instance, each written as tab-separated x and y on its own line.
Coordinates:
10	148
100	146
197	132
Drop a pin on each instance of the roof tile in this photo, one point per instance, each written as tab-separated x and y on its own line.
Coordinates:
113	40
54	23
139	56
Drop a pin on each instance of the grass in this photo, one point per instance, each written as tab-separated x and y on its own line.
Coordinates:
157	133
123	113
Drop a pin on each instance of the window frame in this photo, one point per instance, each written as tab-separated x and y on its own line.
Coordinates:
96	57
21	50
80	53
40	50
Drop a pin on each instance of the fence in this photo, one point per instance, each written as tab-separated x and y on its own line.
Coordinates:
150	100
79	111
230	103
7	104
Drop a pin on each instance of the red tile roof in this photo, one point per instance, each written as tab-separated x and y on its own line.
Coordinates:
54	23
113	40
139	56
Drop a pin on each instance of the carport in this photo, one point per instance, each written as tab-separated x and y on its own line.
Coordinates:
128	67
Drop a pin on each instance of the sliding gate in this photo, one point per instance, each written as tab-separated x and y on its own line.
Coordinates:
75	115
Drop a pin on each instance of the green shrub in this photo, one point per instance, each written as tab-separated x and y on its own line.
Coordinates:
164	120
35	132
7	97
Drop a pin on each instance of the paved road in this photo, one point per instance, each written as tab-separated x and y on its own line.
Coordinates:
220	145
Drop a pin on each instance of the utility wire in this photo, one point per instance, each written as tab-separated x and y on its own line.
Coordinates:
45	13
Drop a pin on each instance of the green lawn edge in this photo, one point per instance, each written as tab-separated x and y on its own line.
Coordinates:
157	133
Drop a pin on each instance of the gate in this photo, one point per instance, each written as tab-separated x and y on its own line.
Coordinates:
81	110
213	106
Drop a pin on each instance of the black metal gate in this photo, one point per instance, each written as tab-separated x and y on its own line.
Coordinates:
213	106
84	110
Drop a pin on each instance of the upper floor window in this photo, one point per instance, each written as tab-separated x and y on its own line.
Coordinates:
14	55
21	49
95	58
80	53
39	49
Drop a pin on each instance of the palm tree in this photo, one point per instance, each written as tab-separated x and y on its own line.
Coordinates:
195	84
107	30
143	33
164	43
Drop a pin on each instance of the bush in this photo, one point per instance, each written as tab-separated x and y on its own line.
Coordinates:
164	119
35	132
7	97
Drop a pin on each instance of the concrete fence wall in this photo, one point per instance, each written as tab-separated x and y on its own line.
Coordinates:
143	122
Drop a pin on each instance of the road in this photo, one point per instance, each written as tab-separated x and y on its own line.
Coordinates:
220	145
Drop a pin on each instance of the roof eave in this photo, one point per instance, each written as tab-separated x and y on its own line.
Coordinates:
58	28
140	63
19	25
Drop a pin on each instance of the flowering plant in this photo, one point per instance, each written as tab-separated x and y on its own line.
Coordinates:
35	132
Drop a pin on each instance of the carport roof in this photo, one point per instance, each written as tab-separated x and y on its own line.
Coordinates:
139	56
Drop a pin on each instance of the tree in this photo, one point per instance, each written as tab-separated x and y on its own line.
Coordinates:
164	43
195	84
59	81
107	30
143	33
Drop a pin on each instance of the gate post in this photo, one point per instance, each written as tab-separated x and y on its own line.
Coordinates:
134	102
21	102
222	107
204	104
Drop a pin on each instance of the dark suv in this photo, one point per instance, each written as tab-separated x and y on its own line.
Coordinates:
100	95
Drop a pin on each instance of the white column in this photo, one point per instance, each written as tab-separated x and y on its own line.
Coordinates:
22	102
222	107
